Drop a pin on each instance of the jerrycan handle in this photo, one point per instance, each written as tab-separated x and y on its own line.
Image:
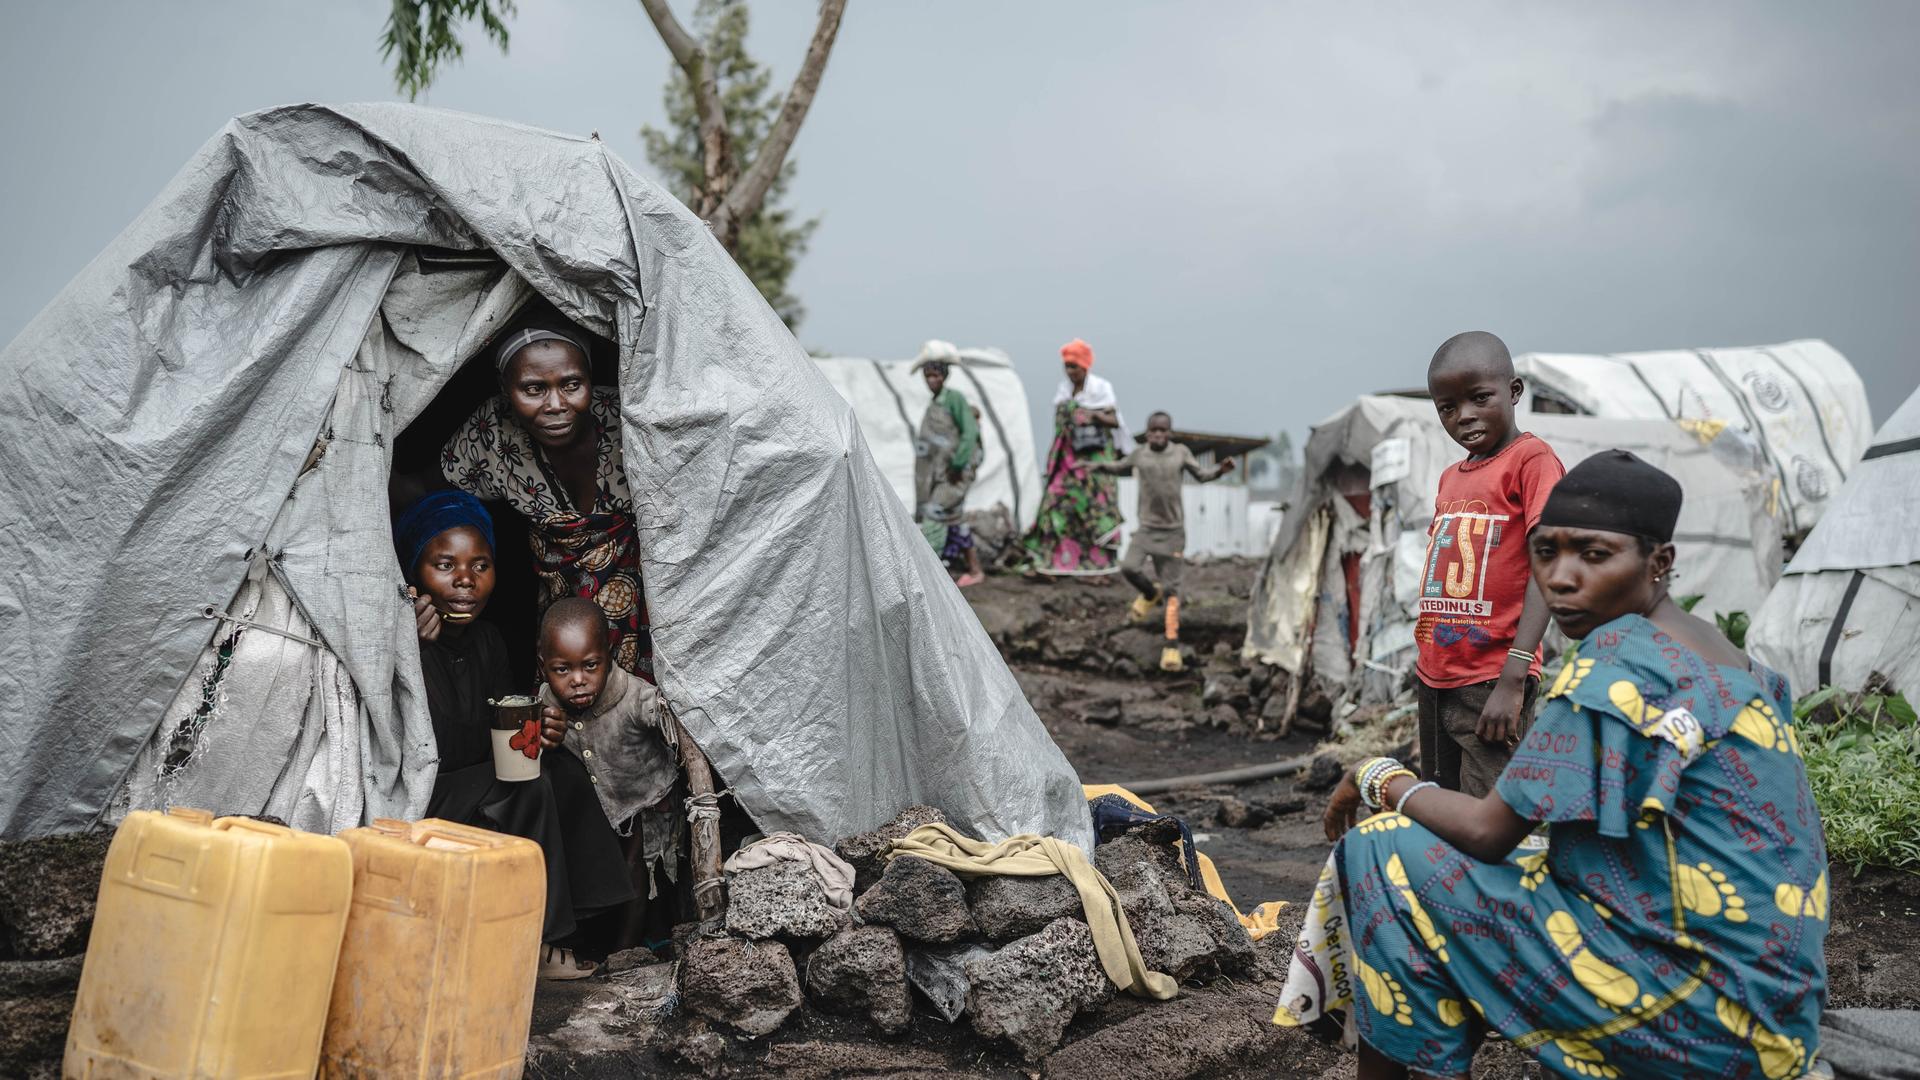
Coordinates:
192	814
432	834
247	824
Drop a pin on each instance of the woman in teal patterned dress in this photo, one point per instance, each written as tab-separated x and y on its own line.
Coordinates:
1672	925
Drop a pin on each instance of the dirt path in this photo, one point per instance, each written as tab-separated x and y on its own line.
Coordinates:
1119	719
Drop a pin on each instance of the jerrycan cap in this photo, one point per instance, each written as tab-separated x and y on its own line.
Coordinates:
190	813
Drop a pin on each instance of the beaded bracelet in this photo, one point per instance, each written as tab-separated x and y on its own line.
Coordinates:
1381	781
1374	777
1367	773
1380	785
1400	806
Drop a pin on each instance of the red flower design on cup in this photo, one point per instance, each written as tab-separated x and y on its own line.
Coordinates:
528	741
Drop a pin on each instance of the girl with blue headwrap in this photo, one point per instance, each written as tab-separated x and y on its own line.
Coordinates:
446	543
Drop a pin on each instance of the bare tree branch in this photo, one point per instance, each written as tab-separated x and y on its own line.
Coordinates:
751	189
716	144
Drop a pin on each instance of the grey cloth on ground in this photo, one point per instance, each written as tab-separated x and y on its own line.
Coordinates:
1452	754
272	298
628	742
1871	1044
941	975
836	877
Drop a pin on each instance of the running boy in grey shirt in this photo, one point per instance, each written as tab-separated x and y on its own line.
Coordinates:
1162	531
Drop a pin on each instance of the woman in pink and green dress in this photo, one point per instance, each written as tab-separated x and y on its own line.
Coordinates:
1078	529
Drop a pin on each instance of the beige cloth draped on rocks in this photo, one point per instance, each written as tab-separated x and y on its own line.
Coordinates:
1028	855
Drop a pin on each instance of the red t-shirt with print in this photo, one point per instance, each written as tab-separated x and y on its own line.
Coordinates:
1477	568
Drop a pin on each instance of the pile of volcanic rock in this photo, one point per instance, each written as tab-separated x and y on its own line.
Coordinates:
1010	956
47	891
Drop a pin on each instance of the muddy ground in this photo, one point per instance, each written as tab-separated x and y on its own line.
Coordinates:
1119	720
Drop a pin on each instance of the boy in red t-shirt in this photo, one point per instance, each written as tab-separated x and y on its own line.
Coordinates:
1480	616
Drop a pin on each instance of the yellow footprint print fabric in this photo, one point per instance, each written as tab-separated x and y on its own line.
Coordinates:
1706	891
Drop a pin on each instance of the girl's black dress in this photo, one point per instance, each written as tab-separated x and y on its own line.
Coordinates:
586	872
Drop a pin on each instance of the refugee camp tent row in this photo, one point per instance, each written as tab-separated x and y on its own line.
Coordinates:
1337	595
199	527
1800	401
1847	610
889	397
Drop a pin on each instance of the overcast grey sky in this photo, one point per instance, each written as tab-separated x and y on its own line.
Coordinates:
1253	211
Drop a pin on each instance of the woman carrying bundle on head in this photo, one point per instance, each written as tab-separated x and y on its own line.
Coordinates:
1673	922
946	460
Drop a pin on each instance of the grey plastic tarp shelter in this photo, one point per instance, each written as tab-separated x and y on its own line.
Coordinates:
1848	607
271	303
1386	455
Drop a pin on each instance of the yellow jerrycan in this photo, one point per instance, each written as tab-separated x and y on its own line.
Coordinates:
441	953
212	951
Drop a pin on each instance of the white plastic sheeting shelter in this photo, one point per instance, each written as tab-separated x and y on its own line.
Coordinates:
164	419
1800	401
1359	524
1848	607
889	397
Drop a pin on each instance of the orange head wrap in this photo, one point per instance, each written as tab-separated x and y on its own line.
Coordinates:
1077	352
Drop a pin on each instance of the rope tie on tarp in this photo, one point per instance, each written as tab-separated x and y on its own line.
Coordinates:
211	612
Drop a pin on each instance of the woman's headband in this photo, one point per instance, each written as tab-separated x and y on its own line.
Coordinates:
503	354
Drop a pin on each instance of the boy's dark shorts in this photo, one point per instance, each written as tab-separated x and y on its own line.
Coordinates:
1450	750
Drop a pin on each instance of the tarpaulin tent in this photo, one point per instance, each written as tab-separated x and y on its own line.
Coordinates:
1801	402
1338	591
889	397
200	431
1848	607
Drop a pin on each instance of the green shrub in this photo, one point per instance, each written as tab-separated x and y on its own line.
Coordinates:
1864	768
1733	626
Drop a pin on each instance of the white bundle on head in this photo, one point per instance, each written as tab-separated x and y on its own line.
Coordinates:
944	352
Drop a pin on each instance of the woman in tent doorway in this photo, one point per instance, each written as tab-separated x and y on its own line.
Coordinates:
1078	528
549	445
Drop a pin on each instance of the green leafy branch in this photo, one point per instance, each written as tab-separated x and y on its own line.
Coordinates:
420	36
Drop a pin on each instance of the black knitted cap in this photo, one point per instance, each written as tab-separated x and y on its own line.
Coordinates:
1613	491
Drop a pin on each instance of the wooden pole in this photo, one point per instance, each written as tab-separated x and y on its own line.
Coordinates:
709	880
